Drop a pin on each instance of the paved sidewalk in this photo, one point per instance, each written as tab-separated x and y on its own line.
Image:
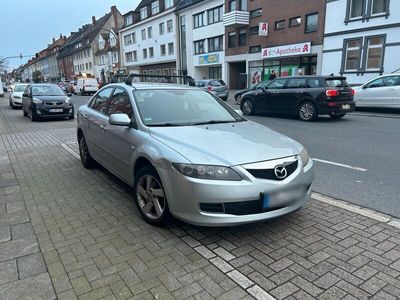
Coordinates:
69	233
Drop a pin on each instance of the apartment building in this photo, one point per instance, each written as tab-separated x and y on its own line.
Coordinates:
148	38
201	38
362	38
266	35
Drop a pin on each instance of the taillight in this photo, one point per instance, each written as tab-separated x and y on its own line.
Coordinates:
210	88
353	92
332	93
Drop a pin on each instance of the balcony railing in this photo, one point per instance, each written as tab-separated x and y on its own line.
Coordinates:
236	18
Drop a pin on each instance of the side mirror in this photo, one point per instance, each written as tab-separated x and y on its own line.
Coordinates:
119	120
264	89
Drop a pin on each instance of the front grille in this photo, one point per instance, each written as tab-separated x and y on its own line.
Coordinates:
236	208
51	103
270	174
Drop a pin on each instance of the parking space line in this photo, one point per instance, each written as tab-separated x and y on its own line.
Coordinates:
339	165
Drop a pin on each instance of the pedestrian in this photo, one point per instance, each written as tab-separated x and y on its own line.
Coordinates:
272	76
300	72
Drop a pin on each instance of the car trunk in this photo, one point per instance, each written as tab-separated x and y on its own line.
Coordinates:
338	90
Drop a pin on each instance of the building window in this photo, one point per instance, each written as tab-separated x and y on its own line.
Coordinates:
163	50
379	6
280	24
168	3
255	49
357	8
243	5
151	52
232	39
232	5
256	13
216	44
199	47
143	13
134	55
170	48
143	34
144	53
215	72
114	58
150	32
353	55
312	22
161	28
155	7
134	37
128	20
296	21
374	53
215	15
254	30
242	37
198	20
170	26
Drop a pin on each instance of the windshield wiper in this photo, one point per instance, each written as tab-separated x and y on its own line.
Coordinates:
165	125
214	122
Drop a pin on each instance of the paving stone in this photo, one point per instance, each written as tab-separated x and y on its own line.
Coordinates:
284	290
373	285
120	290
169	281
224	254
281	264
326	281
67	295
240	279
14	218
100	293
61	283
332	293
221	264
17	248
160	292
31	265
21	230
8	272
259	293
36	287
80	285
365	272
5	234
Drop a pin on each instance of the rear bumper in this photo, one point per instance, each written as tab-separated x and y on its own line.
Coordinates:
326	108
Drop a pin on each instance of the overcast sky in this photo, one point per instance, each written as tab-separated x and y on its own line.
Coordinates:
27	26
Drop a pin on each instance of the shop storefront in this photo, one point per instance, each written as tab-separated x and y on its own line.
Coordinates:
208	66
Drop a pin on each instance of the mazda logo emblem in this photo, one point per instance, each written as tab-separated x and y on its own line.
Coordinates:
280	172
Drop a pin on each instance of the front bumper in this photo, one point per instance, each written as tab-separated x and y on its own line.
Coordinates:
185	195
16	101
336	107
44	111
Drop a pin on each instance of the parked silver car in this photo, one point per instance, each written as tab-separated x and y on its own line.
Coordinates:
215	87
187	153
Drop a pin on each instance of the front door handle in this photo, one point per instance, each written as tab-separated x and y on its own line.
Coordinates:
103	127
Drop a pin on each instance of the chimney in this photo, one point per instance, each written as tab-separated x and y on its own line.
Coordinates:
114	13
54	39
93	20
61	36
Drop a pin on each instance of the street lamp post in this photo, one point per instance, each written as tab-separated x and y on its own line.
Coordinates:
116	38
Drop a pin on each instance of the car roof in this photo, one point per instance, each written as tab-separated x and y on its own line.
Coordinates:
152	86
39	84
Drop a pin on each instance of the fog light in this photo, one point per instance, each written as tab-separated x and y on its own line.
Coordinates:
38	112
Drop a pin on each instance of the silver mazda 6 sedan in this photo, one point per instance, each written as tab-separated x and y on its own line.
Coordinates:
188	154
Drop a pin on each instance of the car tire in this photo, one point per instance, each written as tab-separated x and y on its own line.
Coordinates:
150	197
86	159
238	99
307	111
224	98
71	117
336	116
247	107
32	116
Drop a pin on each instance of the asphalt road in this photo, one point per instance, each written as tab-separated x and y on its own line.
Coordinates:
358	156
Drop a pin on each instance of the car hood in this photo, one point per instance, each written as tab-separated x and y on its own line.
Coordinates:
19	94
51	98
226	144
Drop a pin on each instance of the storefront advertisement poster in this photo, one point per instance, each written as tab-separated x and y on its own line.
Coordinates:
286	50
208	59
255	76
263	29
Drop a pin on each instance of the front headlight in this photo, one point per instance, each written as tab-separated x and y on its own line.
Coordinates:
37	101
207	172
305	158
67	100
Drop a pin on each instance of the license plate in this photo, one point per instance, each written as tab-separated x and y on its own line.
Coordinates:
55	110
345	106
283	197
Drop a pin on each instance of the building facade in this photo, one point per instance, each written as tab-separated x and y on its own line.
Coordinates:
266	35
201	38
148	39
362	39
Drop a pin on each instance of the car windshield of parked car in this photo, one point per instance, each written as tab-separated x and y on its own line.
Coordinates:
336	83
172	107
217	83
19	88
47	90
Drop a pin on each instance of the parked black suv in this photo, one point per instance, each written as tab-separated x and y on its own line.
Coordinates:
304	96
46	101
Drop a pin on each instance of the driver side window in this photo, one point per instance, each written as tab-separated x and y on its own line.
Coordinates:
277	84
99	103
120	103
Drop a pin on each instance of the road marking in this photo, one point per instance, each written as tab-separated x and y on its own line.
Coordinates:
74	154
339	165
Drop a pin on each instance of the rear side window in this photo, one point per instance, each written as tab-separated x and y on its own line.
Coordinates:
313	83
336	83
120	103
296	83
99	103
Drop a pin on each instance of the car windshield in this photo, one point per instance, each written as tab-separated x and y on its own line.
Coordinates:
47	90
182	107
19	88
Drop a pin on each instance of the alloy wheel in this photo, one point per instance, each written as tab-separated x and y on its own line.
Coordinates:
247	107
307	111
151	197
83	150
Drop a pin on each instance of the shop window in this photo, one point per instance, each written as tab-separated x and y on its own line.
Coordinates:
199	47
254	30
256	13
198	20
280	24
353	55
216	44
232	39
296	21
255	49
379	6
312	22
374	53
242	37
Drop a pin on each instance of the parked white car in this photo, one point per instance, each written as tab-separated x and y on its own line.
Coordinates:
1	89
383	91
15	98
85	86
